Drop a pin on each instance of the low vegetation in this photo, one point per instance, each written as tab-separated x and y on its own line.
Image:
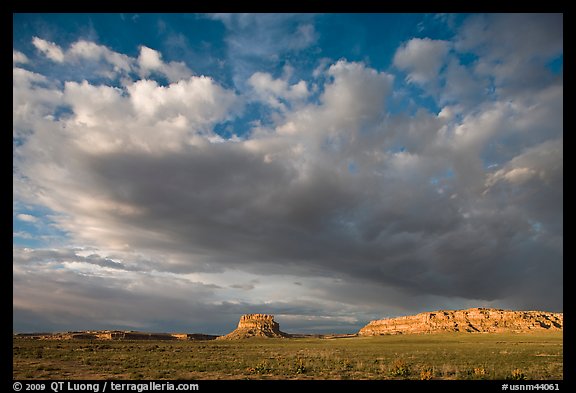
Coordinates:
427	357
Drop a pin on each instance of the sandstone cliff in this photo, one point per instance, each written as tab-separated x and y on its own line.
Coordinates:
255	325
479	320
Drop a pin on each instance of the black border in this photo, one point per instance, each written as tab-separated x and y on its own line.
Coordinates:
298	6
321	385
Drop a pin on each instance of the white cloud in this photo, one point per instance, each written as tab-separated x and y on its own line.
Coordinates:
257	39
18	57
272	31
477	127
199	100
305	36
22	77
95	105
357	93
519	175
49	49
142	116
82	50
111	63
93	52
542	163
27	217
34	100
274	92
150	60
422	59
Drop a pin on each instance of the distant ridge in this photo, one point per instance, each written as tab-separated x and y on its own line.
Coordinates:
473	320
114	335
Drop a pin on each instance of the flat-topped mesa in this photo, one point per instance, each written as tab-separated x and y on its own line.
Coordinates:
473	320
255	325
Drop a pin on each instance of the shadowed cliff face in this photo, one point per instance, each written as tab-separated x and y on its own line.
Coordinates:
474	320
255	325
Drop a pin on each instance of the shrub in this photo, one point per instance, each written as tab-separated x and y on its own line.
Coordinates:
479	371
262	368
300	368
400	369
346	364
426	374
517	375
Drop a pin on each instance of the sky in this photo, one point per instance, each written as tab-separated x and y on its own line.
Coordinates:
172	172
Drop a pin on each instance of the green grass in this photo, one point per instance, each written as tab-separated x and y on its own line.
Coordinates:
439	356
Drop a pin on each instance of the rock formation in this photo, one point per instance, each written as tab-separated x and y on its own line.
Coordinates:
255	325
480	320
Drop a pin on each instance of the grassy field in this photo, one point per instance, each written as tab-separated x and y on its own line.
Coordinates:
439	356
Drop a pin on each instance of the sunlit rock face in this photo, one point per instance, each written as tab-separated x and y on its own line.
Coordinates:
474	320
255	325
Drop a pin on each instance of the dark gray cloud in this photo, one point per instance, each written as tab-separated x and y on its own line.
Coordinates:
64	292
230	208
68	255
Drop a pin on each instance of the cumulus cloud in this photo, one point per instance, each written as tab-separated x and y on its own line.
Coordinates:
358	92
198	101
109	63
461	86
162	117
94	52
101	59
421	58
34	99
150	61
335	201
277	92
